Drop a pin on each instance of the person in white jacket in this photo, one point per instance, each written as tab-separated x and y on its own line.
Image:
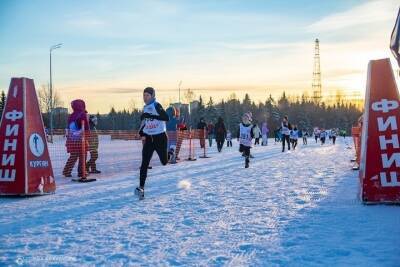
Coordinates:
228	139
294	136
245	136
264	133
257	134
334	134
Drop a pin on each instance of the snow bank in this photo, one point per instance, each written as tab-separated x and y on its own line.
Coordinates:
296	208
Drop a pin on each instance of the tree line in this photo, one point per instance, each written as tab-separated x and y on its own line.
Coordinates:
302	111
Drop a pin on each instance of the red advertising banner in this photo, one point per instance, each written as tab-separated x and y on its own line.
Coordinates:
25	163
380	148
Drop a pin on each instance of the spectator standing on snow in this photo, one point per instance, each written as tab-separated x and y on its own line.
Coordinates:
91	166
229	138
202	127
305	136
278	135
294	136
220	133
181	133
78	127
172	133
264	132
256	134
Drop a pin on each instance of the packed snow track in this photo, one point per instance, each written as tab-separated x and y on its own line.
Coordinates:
288	209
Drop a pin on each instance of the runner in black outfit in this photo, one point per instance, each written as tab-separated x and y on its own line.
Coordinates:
153	134
285	129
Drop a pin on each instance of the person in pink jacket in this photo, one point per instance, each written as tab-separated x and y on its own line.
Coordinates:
78	127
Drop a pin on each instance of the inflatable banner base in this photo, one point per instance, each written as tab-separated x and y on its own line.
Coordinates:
25	163
380	144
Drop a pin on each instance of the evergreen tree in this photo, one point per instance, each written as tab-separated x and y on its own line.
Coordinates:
246	104
113	116
211	112
301	111
2	102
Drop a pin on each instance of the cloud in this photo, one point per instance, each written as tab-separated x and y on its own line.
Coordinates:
125	51
86	22
338	73
118	91
112	49
369	13
262	46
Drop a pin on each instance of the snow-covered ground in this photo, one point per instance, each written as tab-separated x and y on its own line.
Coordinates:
287	209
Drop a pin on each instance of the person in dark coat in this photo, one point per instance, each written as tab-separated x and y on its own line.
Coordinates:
285	130
93	146
172	126
202	127
220	133
78	128
182	131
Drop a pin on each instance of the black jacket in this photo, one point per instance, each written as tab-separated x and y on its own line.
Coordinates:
201	125
220	131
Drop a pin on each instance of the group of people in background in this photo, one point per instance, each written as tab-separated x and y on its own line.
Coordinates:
220	133
155	122
289	134
246	132
261	134
322	134
217	132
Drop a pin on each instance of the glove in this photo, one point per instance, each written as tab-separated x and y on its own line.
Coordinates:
145	116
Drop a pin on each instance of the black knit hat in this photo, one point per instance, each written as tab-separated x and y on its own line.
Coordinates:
150	90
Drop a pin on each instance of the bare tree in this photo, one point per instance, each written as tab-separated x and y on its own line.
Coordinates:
339	97
46	101
232	97
189	95
132	106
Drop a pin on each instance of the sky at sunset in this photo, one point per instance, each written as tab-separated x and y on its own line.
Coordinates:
113	49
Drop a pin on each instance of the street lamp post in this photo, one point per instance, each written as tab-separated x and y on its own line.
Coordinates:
51	92
179	88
